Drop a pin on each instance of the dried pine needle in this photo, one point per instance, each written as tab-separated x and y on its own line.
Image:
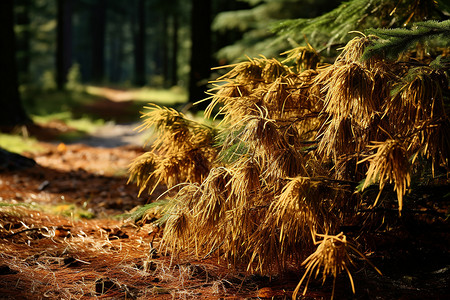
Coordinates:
330	258
389	164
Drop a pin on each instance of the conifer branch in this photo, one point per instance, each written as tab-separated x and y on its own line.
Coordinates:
392	42
357	15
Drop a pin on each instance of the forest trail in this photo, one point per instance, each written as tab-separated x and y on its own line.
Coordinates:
113	135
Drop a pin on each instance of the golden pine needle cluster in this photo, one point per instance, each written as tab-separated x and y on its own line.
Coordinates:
282	166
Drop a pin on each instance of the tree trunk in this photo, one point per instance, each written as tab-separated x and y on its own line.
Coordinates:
200	51
165	47
11	110
23	40
98	23
116	33
174	55
64	42
139	46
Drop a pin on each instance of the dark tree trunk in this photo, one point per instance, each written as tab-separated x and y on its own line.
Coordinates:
157	46
98	23
23	40
200	51
11	110
116	33
174	55
139	46
64	42
165	47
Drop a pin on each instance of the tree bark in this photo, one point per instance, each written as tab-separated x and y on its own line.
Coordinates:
11	109
165	47
174	55
139	46
200	51
98	23
64	42
23	40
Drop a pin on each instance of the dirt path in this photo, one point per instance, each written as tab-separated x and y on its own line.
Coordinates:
113	135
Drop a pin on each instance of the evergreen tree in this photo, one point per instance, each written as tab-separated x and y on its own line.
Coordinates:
302	153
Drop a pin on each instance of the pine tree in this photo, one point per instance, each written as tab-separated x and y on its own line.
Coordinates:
303	149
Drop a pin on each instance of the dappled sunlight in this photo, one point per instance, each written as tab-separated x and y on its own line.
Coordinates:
163	96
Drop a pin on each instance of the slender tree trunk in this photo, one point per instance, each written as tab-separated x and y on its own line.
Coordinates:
174	55
98	23
157	45
64	42
11	110
139	46
200	51
116	31
165	47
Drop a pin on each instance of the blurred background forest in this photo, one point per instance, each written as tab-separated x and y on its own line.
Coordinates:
75	45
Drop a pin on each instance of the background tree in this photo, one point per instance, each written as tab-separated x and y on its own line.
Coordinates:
23	36
64	42
11	112
98	25
139	35
201	51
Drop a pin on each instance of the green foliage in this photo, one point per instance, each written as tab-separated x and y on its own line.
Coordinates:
332	28
74	79
394	41
48	81
252	24
64	209
19	143
140	213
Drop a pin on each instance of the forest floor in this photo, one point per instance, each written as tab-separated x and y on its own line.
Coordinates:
63	236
